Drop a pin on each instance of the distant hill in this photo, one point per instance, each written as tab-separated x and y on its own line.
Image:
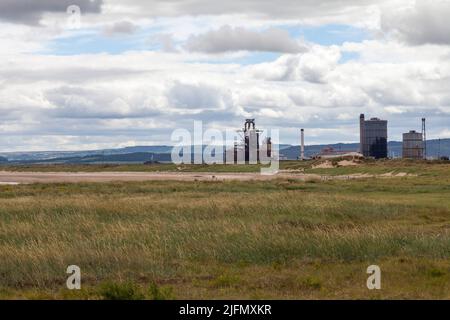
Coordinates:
142	154
44	155
138	157
139	149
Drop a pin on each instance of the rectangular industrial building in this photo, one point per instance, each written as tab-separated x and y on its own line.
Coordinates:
373	137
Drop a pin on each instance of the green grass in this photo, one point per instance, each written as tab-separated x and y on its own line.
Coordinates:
376	167
430	168
283	239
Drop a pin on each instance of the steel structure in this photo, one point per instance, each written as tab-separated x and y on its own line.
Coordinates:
251	143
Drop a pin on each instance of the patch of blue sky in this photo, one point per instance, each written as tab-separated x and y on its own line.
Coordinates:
331	34
95	42
347	56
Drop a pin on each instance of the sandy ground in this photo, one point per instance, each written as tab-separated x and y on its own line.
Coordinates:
55	177
13	178
346	163
324	165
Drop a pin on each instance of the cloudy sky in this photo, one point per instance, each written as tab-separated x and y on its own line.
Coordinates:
130	72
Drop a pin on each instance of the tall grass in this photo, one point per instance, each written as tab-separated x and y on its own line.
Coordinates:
183	231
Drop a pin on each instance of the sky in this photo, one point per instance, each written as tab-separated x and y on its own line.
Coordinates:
94	74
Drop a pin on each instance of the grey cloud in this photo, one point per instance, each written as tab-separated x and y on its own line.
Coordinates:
405	93
193	96
121	27
91	129
237	39
262	8
82	103
163	40
425	23
30	12
69	74
167	42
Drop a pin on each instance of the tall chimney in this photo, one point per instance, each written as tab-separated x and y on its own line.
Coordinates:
302	148
424	138
361	134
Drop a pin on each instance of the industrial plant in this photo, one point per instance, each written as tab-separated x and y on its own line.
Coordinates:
250	145
373	144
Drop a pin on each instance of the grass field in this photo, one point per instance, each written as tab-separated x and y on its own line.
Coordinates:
369	166
283	239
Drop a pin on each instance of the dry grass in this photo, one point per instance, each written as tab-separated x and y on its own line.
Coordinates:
274	239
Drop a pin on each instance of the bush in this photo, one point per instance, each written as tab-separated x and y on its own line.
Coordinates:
120	291
160	293
225	280
311	283
436	273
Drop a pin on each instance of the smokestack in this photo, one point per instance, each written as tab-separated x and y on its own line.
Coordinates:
361	133
302	148
424	137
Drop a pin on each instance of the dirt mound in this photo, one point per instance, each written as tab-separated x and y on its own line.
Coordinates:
329	164
323	165
347	163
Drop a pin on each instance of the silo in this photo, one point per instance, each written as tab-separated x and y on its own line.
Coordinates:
412	145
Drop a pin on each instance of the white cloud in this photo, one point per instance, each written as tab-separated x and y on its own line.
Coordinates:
312	66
